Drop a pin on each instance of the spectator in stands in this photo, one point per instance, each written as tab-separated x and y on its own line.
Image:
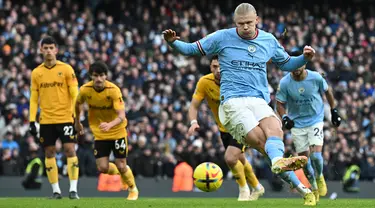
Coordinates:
9	143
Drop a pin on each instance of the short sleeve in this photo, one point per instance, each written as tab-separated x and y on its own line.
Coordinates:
118	102
71	78
199	93
34	82
323	85
281	94
81	95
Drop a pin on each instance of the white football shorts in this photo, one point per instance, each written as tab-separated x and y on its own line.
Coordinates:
240	115
305	137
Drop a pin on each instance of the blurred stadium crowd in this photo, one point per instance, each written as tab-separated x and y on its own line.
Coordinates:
158	84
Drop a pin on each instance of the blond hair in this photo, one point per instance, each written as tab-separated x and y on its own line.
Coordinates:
243	9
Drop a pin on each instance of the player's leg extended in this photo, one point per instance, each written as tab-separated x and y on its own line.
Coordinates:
301	142
241	115
274	146
259	141
104	166
258	189
127	177
310	175
231	157
102	151
289	176
120	152
317	161
316	139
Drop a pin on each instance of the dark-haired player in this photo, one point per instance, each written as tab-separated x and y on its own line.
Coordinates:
108	124
54	88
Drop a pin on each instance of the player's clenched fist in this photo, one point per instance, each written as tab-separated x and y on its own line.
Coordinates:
308	52
170	35
193	128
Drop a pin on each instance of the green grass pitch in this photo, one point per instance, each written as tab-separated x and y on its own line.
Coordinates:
178	202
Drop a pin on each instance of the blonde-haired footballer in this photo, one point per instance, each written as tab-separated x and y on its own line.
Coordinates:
208	87
108	124
54	88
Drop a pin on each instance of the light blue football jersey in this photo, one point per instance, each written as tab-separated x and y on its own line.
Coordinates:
303	99
243	62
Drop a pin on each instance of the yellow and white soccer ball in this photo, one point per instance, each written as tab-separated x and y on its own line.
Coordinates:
208	177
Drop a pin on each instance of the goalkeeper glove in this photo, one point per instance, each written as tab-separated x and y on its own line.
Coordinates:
32	129
335	117
287	122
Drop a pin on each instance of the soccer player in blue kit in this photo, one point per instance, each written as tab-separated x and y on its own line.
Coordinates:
300	103
244	111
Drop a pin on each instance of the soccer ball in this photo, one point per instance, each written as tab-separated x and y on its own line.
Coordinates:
208	177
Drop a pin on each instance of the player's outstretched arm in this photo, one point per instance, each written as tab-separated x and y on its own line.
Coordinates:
187	49
293	63
193	113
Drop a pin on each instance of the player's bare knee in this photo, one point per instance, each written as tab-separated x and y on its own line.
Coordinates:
70	152
121	165
50	151
316	148
274	131
271	127
242	158
252	138
304	153
122	169
103	168
230	159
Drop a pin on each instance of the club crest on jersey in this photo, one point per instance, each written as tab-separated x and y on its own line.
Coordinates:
59	74
251	48
301	90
